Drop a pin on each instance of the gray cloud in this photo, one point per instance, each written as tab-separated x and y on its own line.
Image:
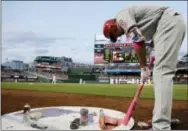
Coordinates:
32	39
27	45
41	51
74	50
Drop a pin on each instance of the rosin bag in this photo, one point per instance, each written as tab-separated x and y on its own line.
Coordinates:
36	115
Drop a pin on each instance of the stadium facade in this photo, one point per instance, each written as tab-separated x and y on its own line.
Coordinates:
15	65
52	63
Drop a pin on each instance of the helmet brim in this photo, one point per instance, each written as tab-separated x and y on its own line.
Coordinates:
113	38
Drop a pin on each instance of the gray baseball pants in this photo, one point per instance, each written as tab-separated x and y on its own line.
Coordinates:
167	39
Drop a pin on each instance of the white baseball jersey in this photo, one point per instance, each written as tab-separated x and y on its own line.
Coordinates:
144	17
54	77
152	53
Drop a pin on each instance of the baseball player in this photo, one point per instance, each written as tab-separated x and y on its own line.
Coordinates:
54	79
166	27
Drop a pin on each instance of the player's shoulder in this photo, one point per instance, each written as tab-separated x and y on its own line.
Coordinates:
121	15
124	10
148	8
132	9
145	6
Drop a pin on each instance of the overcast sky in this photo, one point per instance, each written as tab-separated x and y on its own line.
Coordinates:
58	28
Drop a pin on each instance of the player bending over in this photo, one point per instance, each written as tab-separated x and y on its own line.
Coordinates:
166	27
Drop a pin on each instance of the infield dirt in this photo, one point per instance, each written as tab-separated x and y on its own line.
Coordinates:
14	100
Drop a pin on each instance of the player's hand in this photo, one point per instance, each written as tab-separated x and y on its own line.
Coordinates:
145	74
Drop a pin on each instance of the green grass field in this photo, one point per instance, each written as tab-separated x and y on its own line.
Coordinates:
124	90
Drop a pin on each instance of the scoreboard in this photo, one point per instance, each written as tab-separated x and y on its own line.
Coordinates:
46	58
114	53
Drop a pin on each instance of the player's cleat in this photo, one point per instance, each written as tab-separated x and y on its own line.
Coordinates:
175	121
148	124
144	125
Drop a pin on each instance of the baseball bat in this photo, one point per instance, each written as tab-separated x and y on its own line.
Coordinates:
130	110
134	101
133	104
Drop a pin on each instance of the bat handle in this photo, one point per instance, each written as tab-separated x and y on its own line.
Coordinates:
151	62
138	92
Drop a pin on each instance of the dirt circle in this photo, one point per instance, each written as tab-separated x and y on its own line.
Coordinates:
14	100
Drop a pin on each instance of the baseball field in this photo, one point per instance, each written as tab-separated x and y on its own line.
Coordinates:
117	97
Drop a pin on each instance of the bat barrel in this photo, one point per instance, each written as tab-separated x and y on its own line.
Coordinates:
133	105
129	112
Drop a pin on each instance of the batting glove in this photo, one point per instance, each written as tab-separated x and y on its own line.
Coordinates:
145	74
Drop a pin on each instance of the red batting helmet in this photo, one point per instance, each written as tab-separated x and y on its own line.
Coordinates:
109	27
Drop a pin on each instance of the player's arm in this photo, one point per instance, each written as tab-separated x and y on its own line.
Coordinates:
138	45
